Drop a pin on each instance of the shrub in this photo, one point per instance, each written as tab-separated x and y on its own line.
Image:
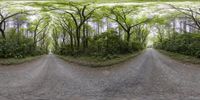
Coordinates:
16	45
103	45
188	44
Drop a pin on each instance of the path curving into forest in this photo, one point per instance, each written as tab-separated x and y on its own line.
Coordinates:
150	76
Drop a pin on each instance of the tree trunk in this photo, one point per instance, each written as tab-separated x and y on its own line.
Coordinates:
84	38
87	35
98	28
3	33
64	35
71	42
128	37
34	41
174	26
107	23
78	38
185	26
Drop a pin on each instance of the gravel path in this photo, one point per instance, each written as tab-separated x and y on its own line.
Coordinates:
150	76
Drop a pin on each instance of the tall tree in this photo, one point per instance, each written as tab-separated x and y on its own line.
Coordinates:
39	28
121	15
67	25
141	34
80	13
192	14
4	16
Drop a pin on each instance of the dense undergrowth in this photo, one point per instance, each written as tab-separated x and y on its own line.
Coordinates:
82	29
84	33
187	44
103	46
17	45
94	61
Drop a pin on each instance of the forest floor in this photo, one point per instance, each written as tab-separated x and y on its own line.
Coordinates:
149	76
92	61
11	61
181	58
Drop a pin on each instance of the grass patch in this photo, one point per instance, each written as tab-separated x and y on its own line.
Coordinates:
99	61
12	61
180	57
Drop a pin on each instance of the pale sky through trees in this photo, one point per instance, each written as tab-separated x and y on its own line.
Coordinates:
148	9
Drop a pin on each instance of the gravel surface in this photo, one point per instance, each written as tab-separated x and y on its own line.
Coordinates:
150	76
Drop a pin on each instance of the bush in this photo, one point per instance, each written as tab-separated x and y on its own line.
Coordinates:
188	44
108	43
105	45
18	46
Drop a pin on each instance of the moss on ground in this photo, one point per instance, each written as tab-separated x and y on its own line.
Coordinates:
99	61
180	57
12	61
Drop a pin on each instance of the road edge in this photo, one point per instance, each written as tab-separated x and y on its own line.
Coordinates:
101	63
180	57
14	61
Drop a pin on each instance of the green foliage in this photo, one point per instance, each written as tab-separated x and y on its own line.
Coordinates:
187	44
12	61
18	46
120	1
105	45
73	34
181	57
140	37
109	43
93	61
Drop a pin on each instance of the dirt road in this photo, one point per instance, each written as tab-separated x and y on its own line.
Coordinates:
150	76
